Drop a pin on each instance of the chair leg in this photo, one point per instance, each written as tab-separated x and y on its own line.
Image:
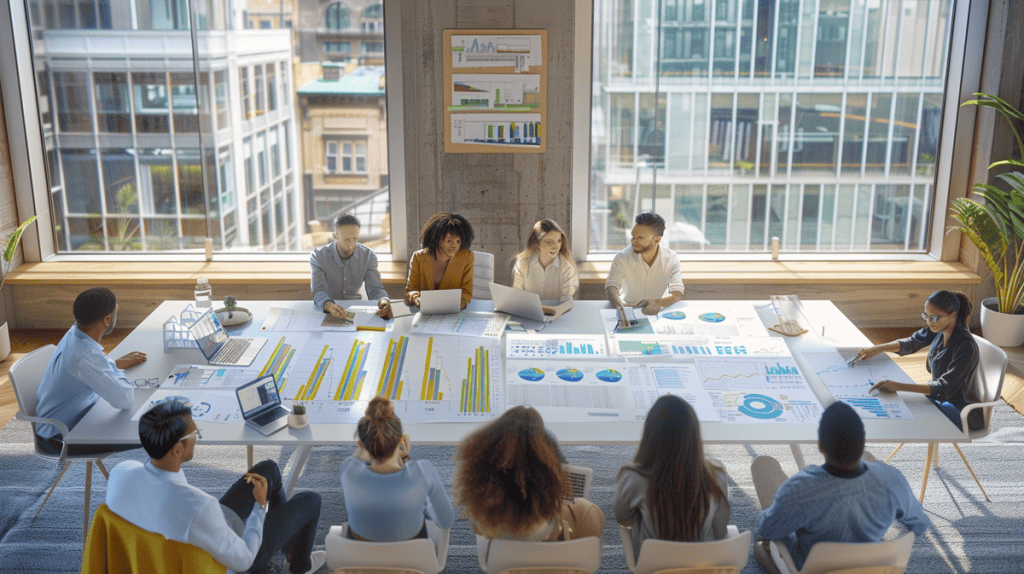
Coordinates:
249	455
52	488
88	491
968	465
893	453
103	469
935	460
927	468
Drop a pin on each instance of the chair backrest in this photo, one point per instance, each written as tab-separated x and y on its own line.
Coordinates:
483	274
426	555
26	374
497	556
829	557
116	545
725	556
581	478
990	374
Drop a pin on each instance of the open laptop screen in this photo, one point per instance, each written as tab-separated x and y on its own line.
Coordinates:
209	333
252	397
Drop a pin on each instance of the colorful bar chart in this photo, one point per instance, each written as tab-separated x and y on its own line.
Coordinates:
390	384
308	391
780	369
568	348
476	387
431	389
278	362
352	379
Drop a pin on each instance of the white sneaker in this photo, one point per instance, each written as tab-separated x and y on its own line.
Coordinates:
318	559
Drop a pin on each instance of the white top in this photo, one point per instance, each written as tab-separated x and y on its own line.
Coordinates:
165	503
639	282
558	282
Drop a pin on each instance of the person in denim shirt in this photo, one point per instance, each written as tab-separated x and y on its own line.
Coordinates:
847	499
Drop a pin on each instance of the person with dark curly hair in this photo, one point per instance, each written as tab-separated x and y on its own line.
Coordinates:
510	483
670	491
387	496
445	260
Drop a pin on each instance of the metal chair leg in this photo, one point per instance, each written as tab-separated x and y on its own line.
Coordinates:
893	453
927	468
88	491
52	488
968	465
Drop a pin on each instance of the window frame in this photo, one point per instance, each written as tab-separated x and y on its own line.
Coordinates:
969	28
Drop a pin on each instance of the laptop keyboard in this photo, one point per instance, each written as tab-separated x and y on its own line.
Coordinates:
232	350
270	416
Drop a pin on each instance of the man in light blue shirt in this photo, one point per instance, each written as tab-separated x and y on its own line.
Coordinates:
340	268
847	499
80	373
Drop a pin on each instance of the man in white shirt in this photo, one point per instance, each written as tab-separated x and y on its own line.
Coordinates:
644	274
243	530
339	269
80	373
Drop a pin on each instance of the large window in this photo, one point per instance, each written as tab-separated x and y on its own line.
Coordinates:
814	121
150	147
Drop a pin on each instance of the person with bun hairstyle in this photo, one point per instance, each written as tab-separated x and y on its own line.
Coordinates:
387	496
952	358
670	491
510	483
545	267
445	260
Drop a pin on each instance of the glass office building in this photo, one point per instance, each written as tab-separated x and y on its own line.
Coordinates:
814	121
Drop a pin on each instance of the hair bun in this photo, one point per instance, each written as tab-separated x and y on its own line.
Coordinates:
380	410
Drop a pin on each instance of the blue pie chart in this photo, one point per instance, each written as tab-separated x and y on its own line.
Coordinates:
532	374
760	406
610	376
570	374
712	317
674	315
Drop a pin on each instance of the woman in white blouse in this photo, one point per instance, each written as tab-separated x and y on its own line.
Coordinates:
546	267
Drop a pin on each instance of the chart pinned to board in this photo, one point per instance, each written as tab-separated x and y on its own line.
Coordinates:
851	383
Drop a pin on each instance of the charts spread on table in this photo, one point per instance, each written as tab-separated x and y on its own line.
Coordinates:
768	390
321	366
439	378
706	318
206	376
695	346
208	405
526	346
465	323
573	390
285	320
850	384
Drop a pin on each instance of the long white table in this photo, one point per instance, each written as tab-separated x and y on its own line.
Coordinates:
105	424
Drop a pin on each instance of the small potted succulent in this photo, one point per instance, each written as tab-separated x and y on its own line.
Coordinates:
232	314
298	418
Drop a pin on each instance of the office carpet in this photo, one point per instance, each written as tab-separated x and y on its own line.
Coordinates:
968	533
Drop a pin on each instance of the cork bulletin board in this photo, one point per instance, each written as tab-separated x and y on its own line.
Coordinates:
495	91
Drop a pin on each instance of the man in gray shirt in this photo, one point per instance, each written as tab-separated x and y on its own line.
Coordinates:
341	267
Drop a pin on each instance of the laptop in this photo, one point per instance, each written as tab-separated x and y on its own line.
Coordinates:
440	301
518	302
221	349
261	405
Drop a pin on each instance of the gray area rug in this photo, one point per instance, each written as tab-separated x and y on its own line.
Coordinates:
968	533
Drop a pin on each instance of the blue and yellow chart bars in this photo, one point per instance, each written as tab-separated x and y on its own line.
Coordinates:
476	387
278	362
390	384
431	389
355	371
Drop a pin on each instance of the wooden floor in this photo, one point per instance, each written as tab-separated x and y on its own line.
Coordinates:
24	341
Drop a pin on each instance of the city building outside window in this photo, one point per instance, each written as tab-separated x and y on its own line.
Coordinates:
337	17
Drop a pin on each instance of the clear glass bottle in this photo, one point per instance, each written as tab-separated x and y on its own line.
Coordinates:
204	294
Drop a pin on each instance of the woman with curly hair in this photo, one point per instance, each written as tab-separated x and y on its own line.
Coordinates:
510	483
387	496
445	260
670	491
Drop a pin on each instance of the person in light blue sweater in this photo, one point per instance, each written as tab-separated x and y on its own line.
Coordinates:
387	496
850	498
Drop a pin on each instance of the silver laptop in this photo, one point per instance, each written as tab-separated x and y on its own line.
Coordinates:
261	405
221	349
440	301
518	302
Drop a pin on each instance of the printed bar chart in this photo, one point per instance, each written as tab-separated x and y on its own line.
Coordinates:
390	384
309	390
352	380
568	348
431	389
476	387
278	362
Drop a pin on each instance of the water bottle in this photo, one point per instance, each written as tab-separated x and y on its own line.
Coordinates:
204	295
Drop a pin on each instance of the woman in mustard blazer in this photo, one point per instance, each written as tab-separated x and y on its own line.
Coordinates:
445	260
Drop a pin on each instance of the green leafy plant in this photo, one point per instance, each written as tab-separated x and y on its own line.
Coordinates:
298	409
996	226
11	247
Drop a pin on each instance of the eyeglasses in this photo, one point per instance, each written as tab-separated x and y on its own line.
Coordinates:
199	435
147	383
932	318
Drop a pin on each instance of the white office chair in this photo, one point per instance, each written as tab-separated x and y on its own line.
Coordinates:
564	556
424	555
26	375
885	557
581	478
483	274
989	382
726	556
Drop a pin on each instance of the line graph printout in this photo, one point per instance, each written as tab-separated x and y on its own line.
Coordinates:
750	391
682	380
581	390
525	346
674	345
439	378
850	384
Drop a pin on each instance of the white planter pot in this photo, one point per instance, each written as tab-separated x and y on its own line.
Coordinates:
298	421
1003	329
5	342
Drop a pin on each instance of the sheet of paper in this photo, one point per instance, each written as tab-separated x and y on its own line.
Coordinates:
850	384
750	391
526	346
366	318
208	406
575	390
682	380
702	318
326	366
507	129
284	320
465	323
206	376
697	346
515	51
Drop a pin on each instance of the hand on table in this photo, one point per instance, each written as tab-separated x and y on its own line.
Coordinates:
335	310
885	386
259	487
414	298
384	309
623	319
130	360
650	307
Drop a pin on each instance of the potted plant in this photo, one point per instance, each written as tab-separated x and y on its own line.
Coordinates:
10	247
996	228
298	418
231	313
